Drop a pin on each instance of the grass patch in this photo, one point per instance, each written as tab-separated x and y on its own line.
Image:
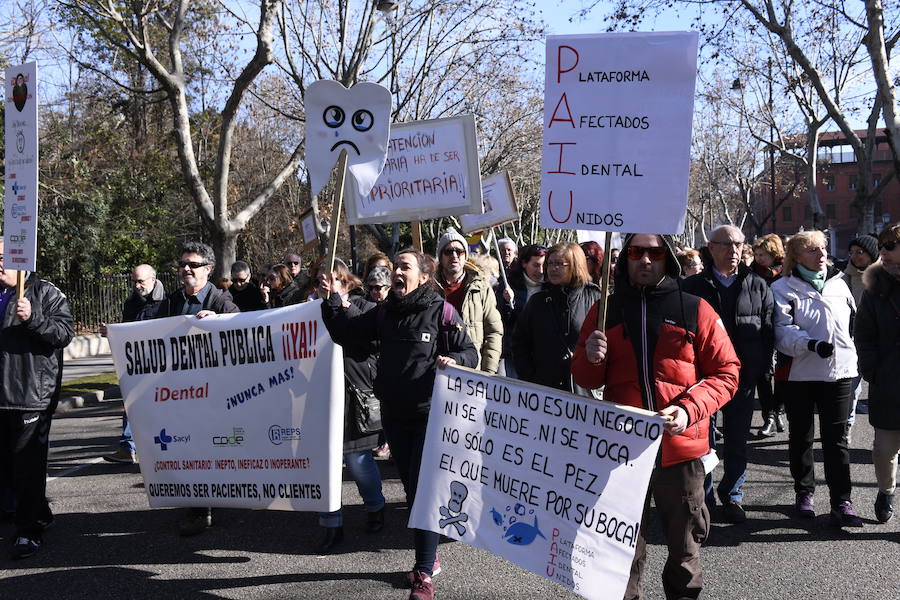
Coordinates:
91	383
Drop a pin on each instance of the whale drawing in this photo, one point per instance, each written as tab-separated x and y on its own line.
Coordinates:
522	534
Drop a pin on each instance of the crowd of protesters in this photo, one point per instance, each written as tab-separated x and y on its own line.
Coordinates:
694	334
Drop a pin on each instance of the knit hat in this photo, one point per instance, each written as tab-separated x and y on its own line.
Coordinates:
451	235
869	245
379	275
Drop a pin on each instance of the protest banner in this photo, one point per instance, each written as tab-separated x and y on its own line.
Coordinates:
431	171
498	201
550	481
618	112
235	410
20	213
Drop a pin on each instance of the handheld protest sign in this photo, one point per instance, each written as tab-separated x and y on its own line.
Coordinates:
308	229
355	120
432	171
618	111
498	201
20	214
550	481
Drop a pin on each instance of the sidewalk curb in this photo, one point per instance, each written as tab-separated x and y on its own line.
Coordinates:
89	399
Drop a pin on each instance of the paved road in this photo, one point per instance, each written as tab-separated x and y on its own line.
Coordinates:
107	543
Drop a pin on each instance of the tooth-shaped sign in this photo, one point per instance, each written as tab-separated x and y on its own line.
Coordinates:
356	120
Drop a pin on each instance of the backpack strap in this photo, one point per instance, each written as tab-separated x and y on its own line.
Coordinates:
444	327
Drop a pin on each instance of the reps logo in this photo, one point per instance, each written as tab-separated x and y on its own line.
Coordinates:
235	439
164	439
279	434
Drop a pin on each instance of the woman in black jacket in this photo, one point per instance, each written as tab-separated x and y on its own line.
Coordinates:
547	330
878	347
418	332
362	421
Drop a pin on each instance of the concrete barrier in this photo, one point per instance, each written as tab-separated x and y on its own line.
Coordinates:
83	346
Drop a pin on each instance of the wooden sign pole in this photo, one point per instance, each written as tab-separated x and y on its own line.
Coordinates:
20	284
604	283
417	235
336	214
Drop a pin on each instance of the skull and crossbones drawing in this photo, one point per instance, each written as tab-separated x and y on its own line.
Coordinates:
452	513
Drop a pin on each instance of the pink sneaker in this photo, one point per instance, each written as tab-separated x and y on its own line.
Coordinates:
422	588
411	575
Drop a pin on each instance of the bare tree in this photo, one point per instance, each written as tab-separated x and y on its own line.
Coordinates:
156	35
800	29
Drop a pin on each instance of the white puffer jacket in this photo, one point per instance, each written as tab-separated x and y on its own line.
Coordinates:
803	314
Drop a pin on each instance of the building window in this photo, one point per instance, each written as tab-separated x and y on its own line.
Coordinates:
786	213
831	211
854	182
828	180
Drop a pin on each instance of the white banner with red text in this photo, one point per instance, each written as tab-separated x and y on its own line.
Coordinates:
550	481
239	410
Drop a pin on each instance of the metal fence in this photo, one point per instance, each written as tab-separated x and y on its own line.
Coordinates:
99	299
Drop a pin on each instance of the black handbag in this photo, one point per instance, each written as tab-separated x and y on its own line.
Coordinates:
366	409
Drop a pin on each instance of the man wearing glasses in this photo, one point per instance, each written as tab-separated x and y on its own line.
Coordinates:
197	296
244	289
470	293
744	302
665	351
200	298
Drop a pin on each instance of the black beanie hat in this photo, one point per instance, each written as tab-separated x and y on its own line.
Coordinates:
868	243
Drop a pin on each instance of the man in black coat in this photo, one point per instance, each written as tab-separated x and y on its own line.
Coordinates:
745	305
142	304
198	297
33	331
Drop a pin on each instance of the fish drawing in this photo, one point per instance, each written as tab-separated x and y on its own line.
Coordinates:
498	518
522	534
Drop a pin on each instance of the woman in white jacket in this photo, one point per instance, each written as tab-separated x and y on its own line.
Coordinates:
814	310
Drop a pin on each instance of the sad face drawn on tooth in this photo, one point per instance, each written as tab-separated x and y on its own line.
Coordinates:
356	120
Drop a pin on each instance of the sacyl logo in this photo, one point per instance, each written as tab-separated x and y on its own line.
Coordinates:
164	439
278	434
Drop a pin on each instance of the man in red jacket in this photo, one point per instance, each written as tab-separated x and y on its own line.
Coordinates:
665	351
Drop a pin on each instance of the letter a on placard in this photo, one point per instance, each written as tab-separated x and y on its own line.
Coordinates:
356	120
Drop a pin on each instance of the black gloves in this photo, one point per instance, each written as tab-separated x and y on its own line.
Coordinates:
823	349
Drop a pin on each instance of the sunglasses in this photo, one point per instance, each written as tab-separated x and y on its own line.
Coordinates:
292	262
240	281
193	265
888	245
376	288
453	251
654	253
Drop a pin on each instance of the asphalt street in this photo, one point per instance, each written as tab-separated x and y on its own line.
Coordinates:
108	543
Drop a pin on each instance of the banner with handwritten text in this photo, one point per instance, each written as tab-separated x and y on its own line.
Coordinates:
618	112
237	410
431	171
550	481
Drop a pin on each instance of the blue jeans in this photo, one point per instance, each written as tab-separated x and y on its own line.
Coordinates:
126	442
737	416
365	473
